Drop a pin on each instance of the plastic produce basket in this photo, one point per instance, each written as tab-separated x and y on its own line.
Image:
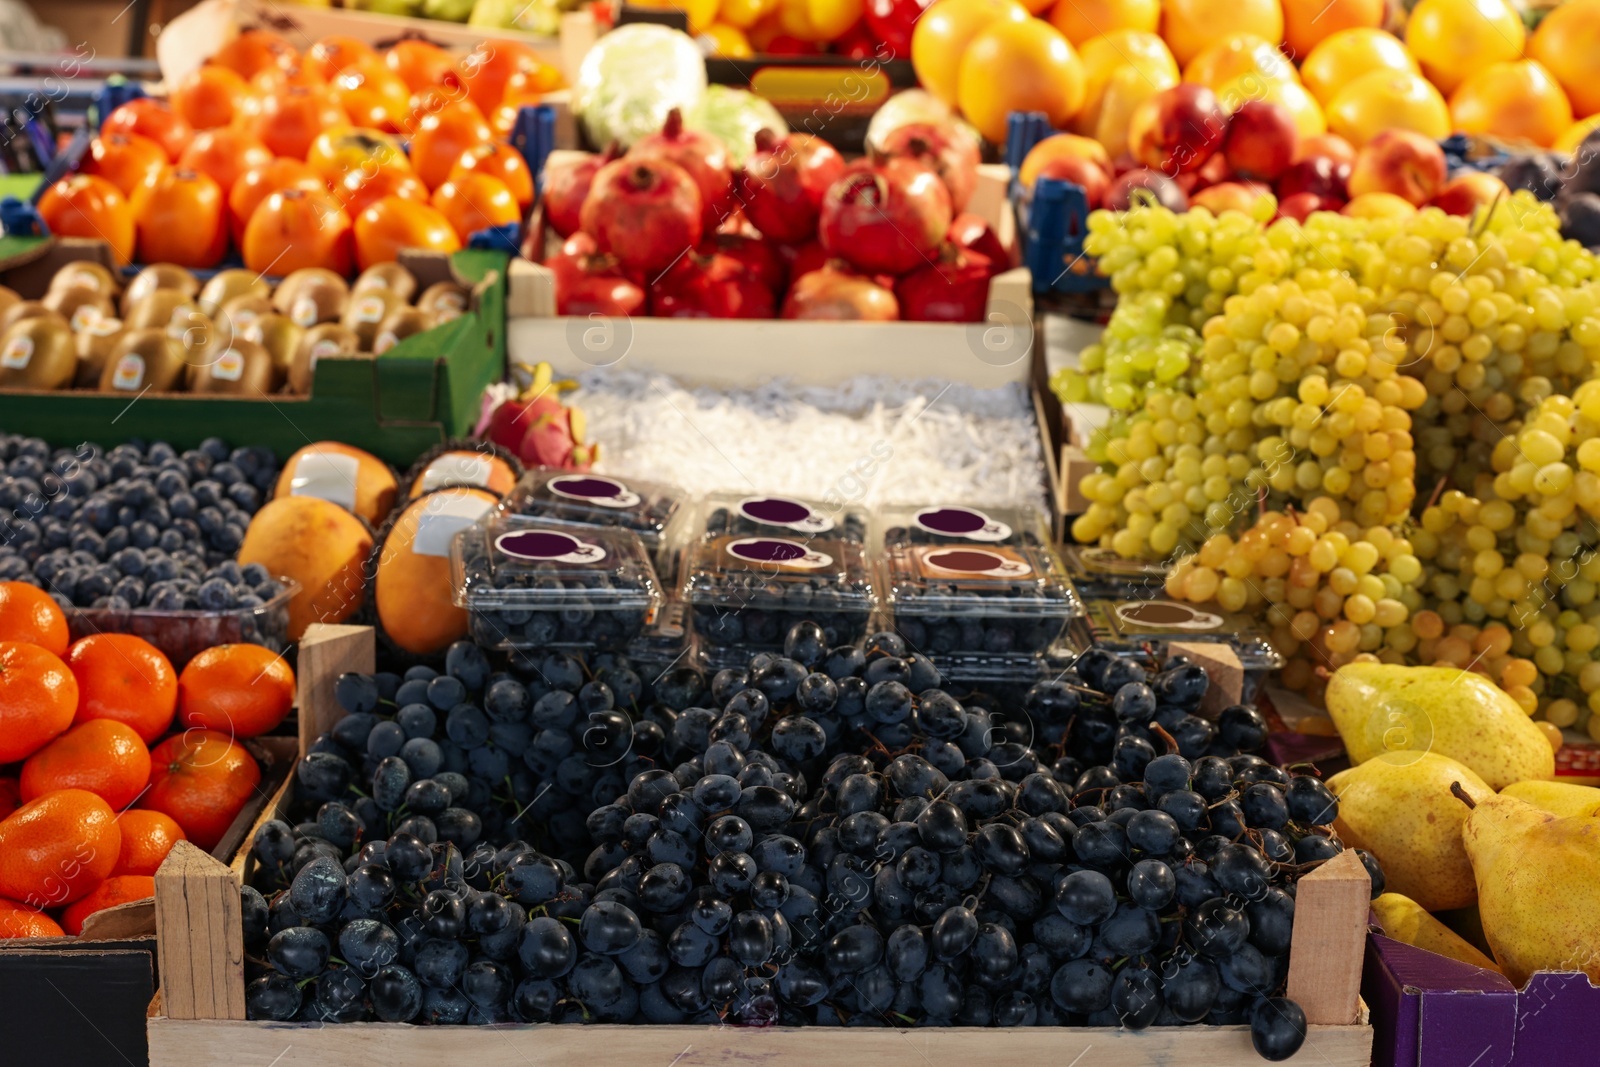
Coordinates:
1053	221
182	635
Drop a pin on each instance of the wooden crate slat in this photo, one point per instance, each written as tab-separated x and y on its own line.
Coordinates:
1330	939
327	651
199	936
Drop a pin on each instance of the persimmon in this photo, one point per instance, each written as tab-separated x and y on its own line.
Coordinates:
202	779
442	136
180	217
57	848
498	161
420	64
243	689
213	96
107	758
225	154
38	696
152	119
473	202
340	149
486	69
336	52
297	228
258	183
357	188
82	205
126	160
292	117
29	614
147	837
372	95
116	889
393	223
125	679
254	51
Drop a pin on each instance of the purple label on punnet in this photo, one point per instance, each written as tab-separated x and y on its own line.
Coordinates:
777	550
548	546
605	492
781	511
954	521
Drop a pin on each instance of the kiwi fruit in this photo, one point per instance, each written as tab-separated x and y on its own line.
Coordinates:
161	308
279	336
444	301
80	305
8	299
28	309
327	339
243	368
311	295
89	274
401	323
391	276
155	277
95	342
38	353
238	313
227	285
143	359
367	311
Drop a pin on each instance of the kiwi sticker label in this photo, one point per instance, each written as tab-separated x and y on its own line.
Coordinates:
229	366
244	317
781	511
17	353
604	492
129	373
1165	614
945	562
327	475
457	468
969	523
103	327
84	317
547	546
367	309
304	312
443	516
785	553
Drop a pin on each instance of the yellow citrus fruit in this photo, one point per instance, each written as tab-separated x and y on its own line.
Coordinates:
1574	134
1136	50
1302	106
1081	21
1307	23
701	13
811	20
1379	206
1128	88
1516	101
1345	56
1237	56
1382	99
1452	39
1018	66
943	33
1567	42
742	14
1192	26
729	41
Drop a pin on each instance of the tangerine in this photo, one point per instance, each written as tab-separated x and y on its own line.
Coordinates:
1515	101
258	183
29	614
225	154
473	202
57	848
297	228
152	119
10	796
392	223
82	205
105	757
19	920
254	51
213	96
1567	42
943	33
498	161
179	218
126	160
442	136
125	679
202	779
421	64
38	695
243	690
1454	38
147	837
116	889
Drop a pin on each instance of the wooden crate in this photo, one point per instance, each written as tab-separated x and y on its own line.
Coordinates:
197	1019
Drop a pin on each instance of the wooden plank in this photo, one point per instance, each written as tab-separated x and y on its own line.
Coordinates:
206	1044
327	651
1222	665
1330	938
199	936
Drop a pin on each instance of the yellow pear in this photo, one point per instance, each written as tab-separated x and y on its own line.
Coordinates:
1558	798
1380	707
1399	808
1538	885
1409	922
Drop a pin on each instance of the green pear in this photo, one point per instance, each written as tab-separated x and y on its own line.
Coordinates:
1399	808
1380	707
1410	923
1538	885
1558	798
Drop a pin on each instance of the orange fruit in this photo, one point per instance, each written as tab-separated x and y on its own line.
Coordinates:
81	205
1516	101
1454	38
243	690
147	837
1236	57
1347	55
292	117
125	679
107	758
57	848
211	96
258	183
1081	21
442	136
10	796
152	119
392	223
38	695
421	64
255	51
297	228
126	160
29	614
117	889
943	33
1567	42
336	52
202	779
1191	26
225	154
1018	66
180	217
1388	99
498	161
473	202
372	95
1060	146
19	920
1307	23
357	189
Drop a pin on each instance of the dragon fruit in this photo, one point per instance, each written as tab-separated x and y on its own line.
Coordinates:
539	428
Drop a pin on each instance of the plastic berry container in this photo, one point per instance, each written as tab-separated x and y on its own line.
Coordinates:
744	592
954	524
1142	629
538	585
1099	573
967	599
768	515
182	635
583	499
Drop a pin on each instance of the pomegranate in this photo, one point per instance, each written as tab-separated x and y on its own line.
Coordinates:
891	21
948	149
566	187
885	217
832	292
758	255
803	259
784	181
710	287
593	285
702	155
953	289
645	212
971	232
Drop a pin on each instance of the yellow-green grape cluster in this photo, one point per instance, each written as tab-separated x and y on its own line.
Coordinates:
1139	349
1332	589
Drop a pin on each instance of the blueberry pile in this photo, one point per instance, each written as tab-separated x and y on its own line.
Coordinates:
741	607
829	836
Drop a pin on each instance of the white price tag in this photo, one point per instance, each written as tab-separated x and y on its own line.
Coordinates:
327	475
443	517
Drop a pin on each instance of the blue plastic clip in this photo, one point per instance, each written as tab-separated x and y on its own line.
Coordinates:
19	218
115	93
534	135
507	238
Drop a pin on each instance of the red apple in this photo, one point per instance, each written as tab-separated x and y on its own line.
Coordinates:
1177	129
1261	140
1401	162
1141	186
1322	175
1090	177
1229	196
1324	144
1468	191
1214	171
1300	205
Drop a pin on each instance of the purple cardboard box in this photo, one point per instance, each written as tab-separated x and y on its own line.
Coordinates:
1431	1011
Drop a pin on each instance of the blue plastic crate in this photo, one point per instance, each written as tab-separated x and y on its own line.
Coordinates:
1052	223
